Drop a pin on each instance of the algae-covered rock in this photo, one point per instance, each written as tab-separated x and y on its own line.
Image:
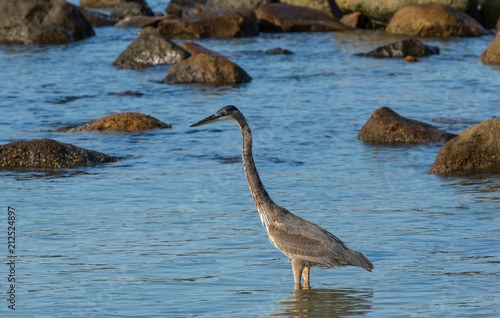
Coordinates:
48	153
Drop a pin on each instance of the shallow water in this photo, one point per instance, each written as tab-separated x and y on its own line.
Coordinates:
171	229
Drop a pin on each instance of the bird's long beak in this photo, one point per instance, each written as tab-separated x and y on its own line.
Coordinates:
208	120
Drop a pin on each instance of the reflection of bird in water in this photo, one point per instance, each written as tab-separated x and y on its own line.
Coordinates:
305	243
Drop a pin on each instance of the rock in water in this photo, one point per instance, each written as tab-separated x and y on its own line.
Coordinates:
492	53
279	17
474	150
383	10
42	22
434	20
413	47
122	122
205	68
385	126
48	153
150	48
234	24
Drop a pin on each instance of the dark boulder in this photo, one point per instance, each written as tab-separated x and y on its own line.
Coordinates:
213	25
385	126
48	153
208	69
474	150
122	122
279	17
42	22
413	47
489	13
150	48
127	9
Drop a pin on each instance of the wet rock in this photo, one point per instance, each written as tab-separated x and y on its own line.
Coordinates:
99	3
385	126
127	93
492	53
278	17
152	48
413	47
214	25
194	48
278	50
474	150
48	153
489	13
383	10
96	19
139	22
357	20
122	122
225	5
181	9
434	20
208	69
42	22
137	8
326	6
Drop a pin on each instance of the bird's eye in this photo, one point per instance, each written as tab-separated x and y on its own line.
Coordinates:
224	113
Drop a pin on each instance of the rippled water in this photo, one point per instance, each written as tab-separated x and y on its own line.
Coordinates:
171	229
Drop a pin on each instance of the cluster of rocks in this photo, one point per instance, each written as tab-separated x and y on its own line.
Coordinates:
474	150
58	22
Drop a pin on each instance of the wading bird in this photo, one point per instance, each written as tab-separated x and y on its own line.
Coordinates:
304	242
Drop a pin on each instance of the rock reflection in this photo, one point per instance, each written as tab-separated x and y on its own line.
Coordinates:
325	303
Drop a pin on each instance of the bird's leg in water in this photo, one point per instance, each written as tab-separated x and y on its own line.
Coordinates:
297	266
305	274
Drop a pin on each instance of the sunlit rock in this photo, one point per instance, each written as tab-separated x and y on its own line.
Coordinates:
122	122
434	20
474	150
385	126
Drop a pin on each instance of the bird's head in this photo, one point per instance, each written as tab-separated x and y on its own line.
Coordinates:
225	113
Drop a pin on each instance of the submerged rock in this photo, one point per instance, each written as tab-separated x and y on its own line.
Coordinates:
385	126
42	22
492	53
150	48
474	150
413	47
434	20
48	153
122	122
205	68
279	17
278	51
213	25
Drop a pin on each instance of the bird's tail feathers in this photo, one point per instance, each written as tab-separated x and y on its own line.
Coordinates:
360	260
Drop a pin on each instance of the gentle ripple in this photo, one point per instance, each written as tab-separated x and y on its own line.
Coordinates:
171	230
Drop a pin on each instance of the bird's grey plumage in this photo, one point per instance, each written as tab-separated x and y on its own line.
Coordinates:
304	242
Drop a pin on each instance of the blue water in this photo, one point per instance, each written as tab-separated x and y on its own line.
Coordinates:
171	229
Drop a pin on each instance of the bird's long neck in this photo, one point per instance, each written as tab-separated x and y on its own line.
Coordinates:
260	196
